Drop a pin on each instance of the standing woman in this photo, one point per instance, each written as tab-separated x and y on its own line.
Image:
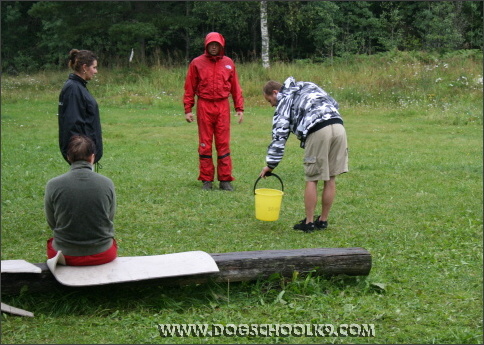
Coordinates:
78	110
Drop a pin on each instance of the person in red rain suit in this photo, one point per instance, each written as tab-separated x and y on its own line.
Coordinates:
212	77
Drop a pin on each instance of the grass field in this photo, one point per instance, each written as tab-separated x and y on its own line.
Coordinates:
412	198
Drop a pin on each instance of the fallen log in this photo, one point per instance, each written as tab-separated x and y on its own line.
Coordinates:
234	267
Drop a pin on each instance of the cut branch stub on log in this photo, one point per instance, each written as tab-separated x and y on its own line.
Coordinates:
234	267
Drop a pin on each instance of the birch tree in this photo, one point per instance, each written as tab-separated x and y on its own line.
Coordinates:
264	34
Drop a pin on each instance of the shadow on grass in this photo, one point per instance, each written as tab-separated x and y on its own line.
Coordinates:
103	300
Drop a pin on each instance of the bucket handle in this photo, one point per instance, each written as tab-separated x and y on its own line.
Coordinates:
269	174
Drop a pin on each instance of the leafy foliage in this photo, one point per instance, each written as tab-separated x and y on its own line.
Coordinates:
39	34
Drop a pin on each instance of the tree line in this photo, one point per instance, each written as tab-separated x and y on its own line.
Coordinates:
39	34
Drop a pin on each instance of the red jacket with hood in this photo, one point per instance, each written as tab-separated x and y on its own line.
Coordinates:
212	77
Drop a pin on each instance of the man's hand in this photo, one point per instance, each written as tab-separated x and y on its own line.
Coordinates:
240	114
189	117
264	171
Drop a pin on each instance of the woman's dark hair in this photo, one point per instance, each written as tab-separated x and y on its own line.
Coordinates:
270	86
77	58
80	148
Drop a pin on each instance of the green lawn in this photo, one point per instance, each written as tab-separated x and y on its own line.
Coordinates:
412	198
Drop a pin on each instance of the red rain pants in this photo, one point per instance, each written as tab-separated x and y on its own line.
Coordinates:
213	119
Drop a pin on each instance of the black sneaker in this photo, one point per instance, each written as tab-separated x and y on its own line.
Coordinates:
303	226
320	224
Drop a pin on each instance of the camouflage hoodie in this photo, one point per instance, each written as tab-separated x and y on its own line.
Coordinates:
300	107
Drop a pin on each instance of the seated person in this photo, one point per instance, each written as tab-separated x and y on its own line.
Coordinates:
80	207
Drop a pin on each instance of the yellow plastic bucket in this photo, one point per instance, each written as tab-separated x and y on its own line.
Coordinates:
268	202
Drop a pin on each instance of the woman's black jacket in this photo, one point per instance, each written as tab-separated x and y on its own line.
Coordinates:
78	115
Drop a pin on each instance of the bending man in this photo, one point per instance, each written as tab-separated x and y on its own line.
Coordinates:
306	110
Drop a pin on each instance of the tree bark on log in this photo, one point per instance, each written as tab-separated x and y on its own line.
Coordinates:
234	267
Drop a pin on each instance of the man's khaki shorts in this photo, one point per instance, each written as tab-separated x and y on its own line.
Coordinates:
326	153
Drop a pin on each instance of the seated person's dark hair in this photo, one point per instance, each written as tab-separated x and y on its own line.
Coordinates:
80	148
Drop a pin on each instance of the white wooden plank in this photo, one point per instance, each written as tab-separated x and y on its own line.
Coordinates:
134	268
16	311
19	266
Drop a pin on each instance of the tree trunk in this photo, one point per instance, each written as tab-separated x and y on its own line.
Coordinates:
187	34
264	34
234	267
